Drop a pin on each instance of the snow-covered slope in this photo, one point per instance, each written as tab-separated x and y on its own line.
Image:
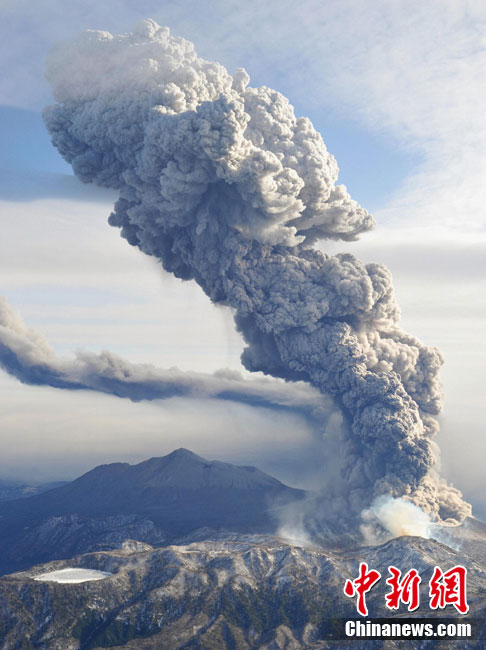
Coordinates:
248	594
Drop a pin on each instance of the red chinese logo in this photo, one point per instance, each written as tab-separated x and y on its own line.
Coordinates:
445	588
449	588
405	590
361	586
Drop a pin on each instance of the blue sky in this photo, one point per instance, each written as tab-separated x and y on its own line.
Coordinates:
370	165
396	89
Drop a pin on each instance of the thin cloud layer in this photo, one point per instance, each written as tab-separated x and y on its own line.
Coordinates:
224	185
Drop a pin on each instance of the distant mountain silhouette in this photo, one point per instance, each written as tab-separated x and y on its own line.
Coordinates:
156	501
10	490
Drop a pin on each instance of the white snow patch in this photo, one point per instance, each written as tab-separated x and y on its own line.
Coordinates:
72	576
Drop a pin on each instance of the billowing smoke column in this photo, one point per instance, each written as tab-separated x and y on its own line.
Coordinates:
225	186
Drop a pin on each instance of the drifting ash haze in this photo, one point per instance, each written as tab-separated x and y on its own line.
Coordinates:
25	354
224	185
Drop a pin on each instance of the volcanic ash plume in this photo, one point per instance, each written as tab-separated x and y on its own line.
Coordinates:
224	185
26	355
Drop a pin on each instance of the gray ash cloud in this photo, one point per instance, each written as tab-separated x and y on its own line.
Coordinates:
225	186
26	355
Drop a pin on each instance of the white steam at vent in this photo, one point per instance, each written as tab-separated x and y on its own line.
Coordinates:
388	517
225	186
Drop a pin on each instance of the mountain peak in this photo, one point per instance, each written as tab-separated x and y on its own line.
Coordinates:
180	453
183	468
177	457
